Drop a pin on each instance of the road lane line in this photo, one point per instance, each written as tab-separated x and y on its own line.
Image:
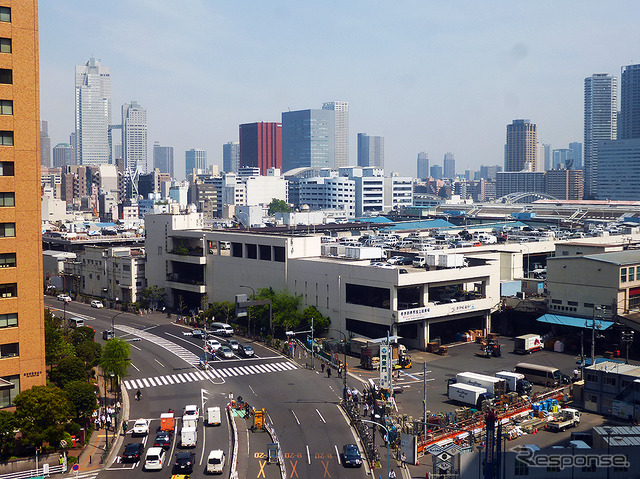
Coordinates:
161	365
321	416
136	367
254	393
136	347
337	454
308	455
296	417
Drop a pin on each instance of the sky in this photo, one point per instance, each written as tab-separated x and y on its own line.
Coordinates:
434	76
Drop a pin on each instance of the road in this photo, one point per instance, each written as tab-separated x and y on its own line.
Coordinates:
301	405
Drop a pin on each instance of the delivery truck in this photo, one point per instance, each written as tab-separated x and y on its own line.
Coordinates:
188	436
469	395
527	344
565	419
516	382
495	386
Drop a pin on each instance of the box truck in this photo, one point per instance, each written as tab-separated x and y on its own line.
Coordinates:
527	344
515	382
213	416
188	436
469	395
495	386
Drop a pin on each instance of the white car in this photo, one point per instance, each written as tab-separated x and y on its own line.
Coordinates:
395	259
96	304
64	297
154	459
213	345
191	411
140	427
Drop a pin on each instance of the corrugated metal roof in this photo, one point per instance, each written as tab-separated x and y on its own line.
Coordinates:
585	323
617	257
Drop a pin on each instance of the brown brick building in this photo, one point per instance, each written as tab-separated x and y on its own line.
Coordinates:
22	362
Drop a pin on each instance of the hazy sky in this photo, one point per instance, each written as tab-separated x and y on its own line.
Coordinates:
432	76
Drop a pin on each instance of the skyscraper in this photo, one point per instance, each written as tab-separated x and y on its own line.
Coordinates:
93	113
62	155
370	150
449	166
261	145
231	157
308	139
600	123
22	320
576	147
163	158
195	158
45	144
548	157
341	109
134	136
521	148
629	121
423	165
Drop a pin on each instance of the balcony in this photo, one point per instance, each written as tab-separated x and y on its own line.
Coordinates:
191	258
186	284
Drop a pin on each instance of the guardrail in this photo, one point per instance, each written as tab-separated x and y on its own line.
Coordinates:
44	471
233	473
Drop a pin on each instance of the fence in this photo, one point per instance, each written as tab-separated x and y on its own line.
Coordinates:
44	471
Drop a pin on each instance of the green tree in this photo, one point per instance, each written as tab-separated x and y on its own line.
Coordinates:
222	311
82	334
82	397
320	323
152	296
278	206
69	369
8	426
89	352
42	412
286	310
116	358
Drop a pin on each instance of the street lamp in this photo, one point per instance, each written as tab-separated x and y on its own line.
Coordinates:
249	314
377	416
113	330
344	375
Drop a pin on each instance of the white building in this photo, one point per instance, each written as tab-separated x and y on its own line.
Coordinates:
328	193
134	137
93	113
341	125
261	190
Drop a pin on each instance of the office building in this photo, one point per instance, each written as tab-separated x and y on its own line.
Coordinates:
489	172
423	166
619	172
629	119
231	157
508	182
45	144
163	158
436	172
521	147
308	139
134	137
370	150
322	193
93	113
576	147
564	184
22	346
261	145
341	109
600	123
195	159
548	156
62	154
449	166
562	159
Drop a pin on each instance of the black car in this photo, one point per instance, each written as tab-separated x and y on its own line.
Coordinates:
163	440
184	462
351	456
132	452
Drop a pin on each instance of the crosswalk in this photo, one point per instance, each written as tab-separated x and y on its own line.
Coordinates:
214	374
173	348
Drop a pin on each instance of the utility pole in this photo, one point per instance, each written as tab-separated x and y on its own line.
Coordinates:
424	397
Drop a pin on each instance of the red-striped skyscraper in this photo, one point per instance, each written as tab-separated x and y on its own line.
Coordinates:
261	145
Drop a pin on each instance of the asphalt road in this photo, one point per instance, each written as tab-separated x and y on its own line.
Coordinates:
301	405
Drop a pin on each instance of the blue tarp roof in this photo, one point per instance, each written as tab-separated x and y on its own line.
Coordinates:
574	321
424	224
373	219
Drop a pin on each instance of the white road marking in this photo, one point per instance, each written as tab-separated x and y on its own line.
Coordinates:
308	455
254	393
161	365
296	417
135	367
321	416
337	454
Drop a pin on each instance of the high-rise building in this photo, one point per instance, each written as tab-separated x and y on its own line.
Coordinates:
436	172
308	139
62	155
548	156
619	180
134	136
490	172
163	158
576	147
370	150
22	310
231	157
562	159
449	166
423	165
45	144
341	109
600	123
629	119
261	146
194	159
93	113
508	182
521	148
72	142
564	184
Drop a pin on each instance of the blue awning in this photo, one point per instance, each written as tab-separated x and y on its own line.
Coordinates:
575	322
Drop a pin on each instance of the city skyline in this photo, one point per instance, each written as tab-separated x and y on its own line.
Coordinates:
416	92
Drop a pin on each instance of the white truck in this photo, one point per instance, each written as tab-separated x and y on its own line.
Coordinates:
565	419
495	386
363	252
188	436
467	394
527	344
515	382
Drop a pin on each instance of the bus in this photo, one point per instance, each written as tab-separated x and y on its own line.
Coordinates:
536	373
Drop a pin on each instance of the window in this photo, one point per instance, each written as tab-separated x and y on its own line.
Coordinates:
368	296
6	76
6	107
5	14
7	230
7	395
8	290
610	381
623	275
589	305
8	350
572	303
7	260
592	378
252	251
632	273
126	267
7	199
6	168
5	45
556	301
8	320
6	138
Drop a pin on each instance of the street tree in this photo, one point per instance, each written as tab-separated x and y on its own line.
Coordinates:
82	397
320	322
222	311
116	358
42	412
152	296
69	369
8	426
90	352
81	334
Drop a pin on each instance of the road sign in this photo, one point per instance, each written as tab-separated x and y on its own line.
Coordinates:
75	467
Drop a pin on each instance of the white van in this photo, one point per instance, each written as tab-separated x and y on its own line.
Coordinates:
76	322
154	460
213	416
222	329
188	437
215	462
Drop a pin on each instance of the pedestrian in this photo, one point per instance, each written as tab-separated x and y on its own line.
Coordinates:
403	460
373	412
340	371
328	372
322	368
365	410
392	474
